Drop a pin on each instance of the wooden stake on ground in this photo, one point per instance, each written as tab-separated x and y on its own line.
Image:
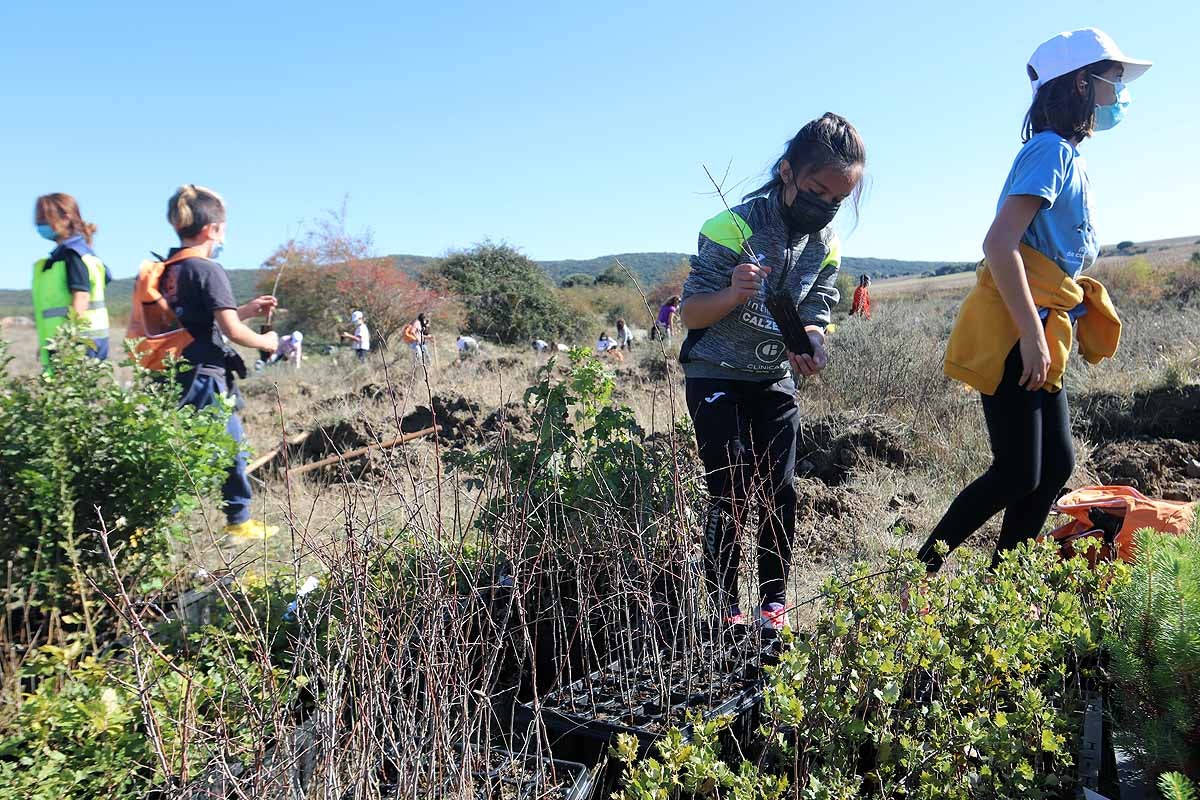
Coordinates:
362	451
298	438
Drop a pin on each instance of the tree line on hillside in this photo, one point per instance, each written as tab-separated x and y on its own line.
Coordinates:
491	290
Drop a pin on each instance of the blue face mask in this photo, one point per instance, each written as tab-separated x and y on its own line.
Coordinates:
218	248
1109	116
46	232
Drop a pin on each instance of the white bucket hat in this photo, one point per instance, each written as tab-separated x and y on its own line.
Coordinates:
1072	50
297	337
356	316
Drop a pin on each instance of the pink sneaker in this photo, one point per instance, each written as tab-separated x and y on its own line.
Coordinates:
772	617
734	617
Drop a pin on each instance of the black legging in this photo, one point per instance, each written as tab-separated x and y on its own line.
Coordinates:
1032	459
747	430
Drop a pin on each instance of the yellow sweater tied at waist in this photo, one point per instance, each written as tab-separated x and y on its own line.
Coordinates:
984	332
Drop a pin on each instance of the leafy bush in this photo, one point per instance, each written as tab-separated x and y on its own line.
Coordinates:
671	285
846	284
78	452
607	303
951	687
83	729
1175	786
508	298
590	465
693	767
576	279
329	272
1156	654
614	276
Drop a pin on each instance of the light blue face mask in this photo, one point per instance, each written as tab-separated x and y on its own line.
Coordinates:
218	248
1109	116
46	232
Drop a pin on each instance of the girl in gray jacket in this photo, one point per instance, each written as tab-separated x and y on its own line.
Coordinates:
740	390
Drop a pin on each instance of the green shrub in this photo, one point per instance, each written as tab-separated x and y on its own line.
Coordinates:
1156	654
1175	786
693	768
82	731
508	298
608	303
78	452
945	688
588	468
576	279
614	276
846	283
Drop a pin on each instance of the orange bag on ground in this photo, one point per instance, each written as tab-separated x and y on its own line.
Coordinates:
1111	515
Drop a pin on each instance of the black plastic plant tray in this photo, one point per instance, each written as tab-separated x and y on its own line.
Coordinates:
566	726
576	781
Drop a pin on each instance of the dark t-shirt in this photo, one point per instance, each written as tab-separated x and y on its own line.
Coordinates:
78	279
201	288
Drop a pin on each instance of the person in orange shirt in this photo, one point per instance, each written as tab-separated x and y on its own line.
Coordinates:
862	298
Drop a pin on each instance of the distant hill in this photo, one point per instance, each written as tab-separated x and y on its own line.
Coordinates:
19	302
649	267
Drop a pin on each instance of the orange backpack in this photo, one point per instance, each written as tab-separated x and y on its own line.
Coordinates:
151	319
412	333
1111	515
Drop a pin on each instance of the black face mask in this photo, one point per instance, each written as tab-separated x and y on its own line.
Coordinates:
809	213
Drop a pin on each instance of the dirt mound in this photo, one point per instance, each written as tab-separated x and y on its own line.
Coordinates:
1167	468
339	437
659	369
825	517
1156	414
458	416
367	394
512	419
649	369
379	393
499	363
831	447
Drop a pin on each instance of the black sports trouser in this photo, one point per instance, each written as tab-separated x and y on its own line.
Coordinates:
1032	459
746	435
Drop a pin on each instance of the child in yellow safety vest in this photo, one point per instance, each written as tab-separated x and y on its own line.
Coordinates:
71	280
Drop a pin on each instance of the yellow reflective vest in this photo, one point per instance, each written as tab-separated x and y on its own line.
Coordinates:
52	301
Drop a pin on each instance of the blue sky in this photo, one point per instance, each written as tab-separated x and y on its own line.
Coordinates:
570	130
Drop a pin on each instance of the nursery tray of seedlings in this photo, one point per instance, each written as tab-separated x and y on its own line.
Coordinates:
516	776
498	774
646	699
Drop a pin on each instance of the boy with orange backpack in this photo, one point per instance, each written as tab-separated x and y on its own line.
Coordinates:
183	307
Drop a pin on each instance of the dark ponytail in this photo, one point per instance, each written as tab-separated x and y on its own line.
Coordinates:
830	141
1059	107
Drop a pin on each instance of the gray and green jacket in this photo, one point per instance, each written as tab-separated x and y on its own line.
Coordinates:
746	344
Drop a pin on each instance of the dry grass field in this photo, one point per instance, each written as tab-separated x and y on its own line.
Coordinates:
551	528
888	440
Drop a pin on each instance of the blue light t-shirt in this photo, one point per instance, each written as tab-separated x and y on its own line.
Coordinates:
1050	167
